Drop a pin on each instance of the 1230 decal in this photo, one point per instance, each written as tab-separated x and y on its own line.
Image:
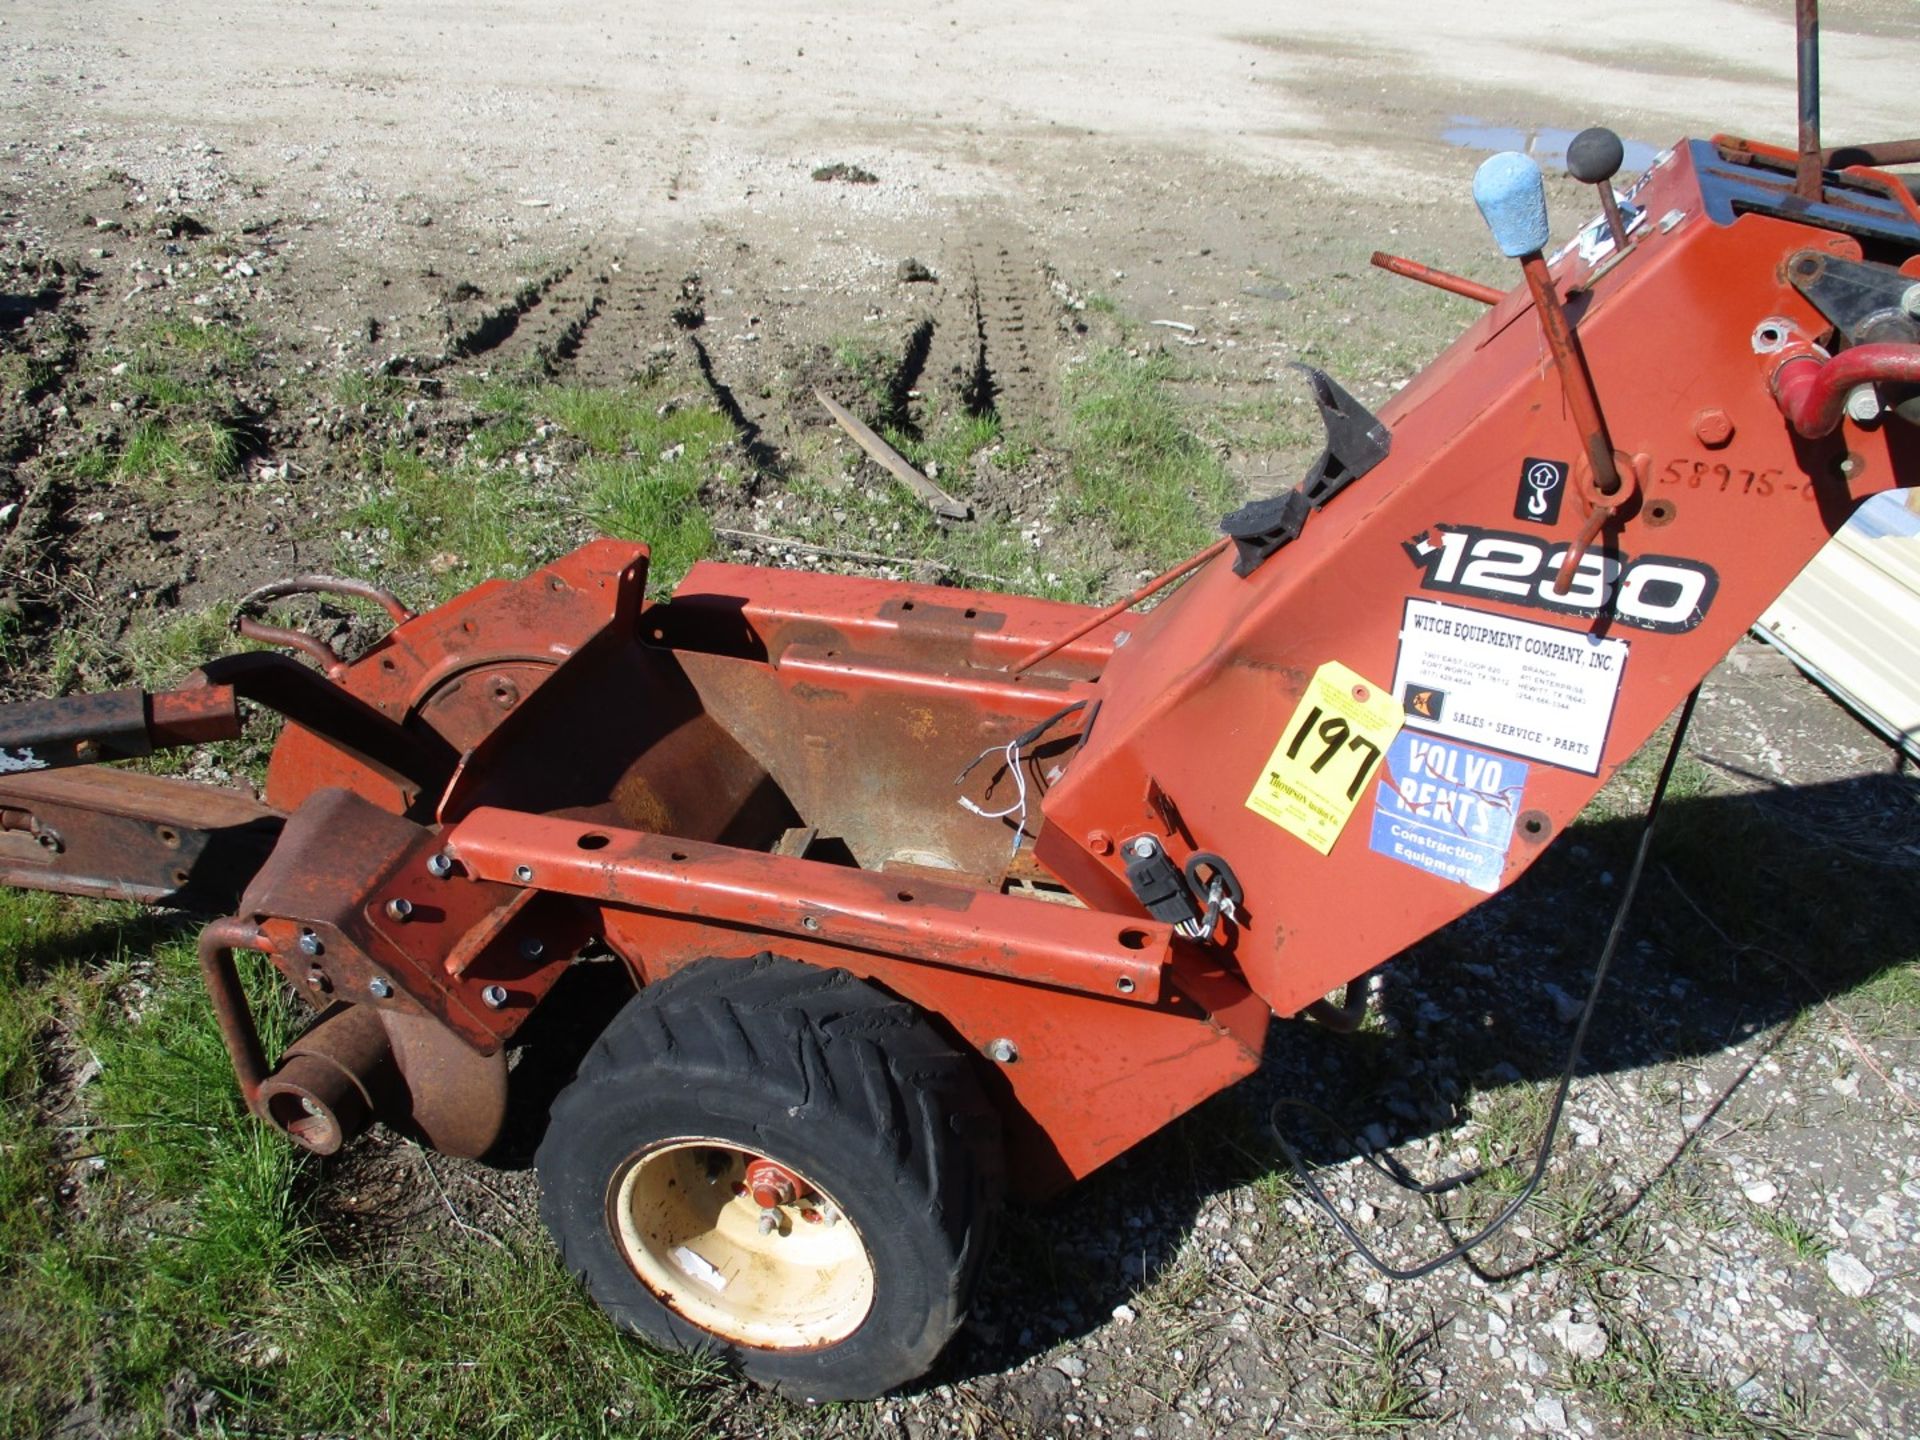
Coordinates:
1653	592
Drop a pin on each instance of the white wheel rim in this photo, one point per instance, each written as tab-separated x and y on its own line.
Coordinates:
695	1239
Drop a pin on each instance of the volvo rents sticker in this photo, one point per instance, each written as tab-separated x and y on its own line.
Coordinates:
1320	767
1448	810
1510	685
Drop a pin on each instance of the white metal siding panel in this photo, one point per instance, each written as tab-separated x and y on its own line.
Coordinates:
1852	619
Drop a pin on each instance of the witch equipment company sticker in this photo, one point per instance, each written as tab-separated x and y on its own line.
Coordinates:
1448	810
1530	690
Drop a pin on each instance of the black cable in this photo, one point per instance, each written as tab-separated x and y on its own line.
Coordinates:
1399	1174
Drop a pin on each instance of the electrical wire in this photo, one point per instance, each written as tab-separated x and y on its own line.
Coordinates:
1399	1174
1010	752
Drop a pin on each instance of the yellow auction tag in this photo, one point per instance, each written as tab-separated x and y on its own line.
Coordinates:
1326	755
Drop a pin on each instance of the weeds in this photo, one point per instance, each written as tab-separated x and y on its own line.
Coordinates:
150	1230
1135	466
1802	1239
178	385
1375	1387
1654	1396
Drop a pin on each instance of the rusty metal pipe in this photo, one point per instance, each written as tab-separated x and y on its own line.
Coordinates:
1812	393
1119	607
1806	173
333	1082
217	944
1439	279
325	585
312	646
1574	377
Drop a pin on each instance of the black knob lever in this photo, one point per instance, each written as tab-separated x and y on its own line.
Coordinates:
1594	157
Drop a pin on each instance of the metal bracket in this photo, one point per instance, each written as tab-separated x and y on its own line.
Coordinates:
1356	442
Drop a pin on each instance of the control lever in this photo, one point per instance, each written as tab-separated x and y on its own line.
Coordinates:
1512	196
1594	157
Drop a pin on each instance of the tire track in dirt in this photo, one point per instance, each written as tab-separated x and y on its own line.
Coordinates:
544	325
1016	326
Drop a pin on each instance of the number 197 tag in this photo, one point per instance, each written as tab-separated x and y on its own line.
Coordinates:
1329	750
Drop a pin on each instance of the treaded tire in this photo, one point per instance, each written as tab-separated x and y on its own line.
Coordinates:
817	1071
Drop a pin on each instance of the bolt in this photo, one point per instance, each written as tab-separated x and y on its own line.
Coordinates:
1124	985
1863	404
532	948
495	996
87	751
317	980
1100	842
769	1222
812	1217
523	873
1002	1051
310	943
1144	847
379	987
400	908
810	922
440	866
1671	219
1910	301
1712	427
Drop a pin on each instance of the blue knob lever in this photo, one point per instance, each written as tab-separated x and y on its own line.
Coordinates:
1512	197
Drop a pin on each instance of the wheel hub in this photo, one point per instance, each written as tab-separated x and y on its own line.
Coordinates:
692	1217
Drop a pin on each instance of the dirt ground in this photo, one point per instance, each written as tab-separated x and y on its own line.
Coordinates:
393	198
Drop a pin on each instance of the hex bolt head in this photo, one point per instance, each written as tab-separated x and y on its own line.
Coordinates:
310	943
400	908
1910	301
1713	427
494	996
1002	1051
769	1222
532	948
379	987
1143	847
1863	404
523	873
440	866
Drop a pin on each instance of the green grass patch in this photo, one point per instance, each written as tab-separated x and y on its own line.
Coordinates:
1653	1395
949	440
178	386
156	1243
1136	467
457	524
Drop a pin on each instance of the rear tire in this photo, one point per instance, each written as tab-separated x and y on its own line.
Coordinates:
864	1276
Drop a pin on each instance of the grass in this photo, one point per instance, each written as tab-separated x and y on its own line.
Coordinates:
1375	1388
1804	1240
1653	1395
1135	466
645	459
186	427
156	1243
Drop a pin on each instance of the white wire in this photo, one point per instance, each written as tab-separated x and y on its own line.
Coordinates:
1012	754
